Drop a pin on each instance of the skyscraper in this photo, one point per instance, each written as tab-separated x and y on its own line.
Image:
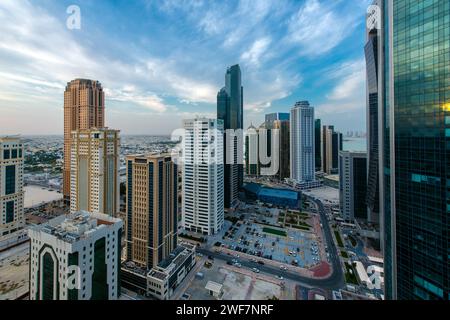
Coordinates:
252	151
203	174
353	185
372	96
84	108
95	171
230	110
302	143
282	116
317	144
76	257
332	142
415	148
11	185
285	148
280	121
151	208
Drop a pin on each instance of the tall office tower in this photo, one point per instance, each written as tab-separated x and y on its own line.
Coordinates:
284	150
317	144
302	142
332	143
152	182
11	185
372	77
230	110
353	185
95	183
280	121
252	151
415	148
282	116
76	257
84	108
203	174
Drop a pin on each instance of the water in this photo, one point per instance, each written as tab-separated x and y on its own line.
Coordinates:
355	144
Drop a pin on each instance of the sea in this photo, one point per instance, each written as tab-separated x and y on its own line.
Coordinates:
355	144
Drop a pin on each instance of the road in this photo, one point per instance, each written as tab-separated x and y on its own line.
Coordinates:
334	281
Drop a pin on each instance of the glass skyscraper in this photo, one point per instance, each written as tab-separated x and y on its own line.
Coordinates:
415	150
282	116
230	110
372	77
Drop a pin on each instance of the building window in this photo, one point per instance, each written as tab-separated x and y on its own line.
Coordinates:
9	211
10	179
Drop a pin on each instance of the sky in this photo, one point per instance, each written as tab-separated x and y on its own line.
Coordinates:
161	61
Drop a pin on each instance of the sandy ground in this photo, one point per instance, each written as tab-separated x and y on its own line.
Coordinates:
14	270
238	284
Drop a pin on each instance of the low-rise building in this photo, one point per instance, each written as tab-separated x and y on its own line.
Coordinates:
168	275
162	280
76	257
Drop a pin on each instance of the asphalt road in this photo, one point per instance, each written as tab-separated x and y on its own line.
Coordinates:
334	281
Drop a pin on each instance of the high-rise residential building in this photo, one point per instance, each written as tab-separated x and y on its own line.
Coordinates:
353	185
414	108
302	142
372	96
317	144
95	185
76	257
230	111
84	108
203	174
11	185
332	143
151	207
281	116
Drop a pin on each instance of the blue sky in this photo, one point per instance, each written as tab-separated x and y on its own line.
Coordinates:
162	61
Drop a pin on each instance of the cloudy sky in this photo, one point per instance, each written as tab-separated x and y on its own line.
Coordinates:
162	61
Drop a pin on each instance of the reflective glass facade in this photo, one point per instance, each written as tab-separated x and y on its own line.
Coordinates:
416	149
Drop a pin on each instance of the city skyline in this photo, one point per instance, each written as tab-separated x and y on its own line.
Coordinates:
159	85
287	209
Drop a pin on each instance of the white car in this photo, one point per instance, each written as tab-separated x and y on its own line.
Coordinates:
255	270
279	277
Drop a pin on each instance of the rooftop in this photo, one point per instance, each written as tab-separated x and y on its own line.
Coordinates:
170	264
214	287
279	193
73	227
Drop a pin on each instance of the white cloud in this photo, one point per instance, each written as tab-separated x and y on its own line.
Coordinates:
348	94
256	51
317	28
351	79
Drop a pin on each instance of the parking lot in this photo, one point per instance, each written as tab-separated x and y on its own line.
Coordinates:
262	235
